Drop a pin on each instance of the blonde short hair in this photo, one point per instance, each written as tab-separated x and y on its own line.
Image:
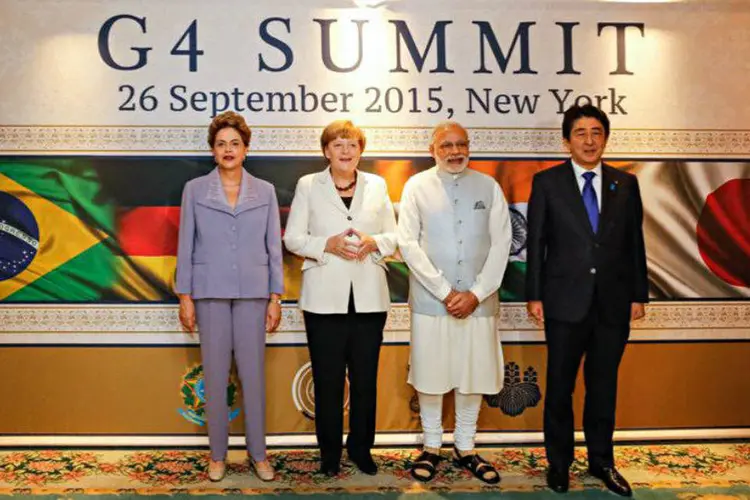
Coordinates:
343	129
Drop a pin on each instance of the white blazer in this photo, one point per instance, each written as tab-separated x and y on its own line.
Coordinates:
318	213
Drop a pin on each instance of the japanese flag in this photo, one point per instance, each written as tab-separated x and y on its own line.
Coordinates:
697	228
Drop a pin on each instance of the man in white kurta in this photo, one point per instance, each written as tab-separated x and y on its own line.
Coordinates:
454	233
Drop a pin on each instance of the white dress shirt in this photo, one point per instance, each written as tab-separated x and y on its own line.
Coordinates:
596	181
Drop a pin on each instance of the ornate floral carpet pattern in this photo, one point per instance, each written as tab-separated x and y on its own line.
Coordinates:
686	471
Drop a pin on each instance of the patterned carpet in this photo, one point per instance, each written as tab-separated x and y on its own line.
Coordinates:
686	472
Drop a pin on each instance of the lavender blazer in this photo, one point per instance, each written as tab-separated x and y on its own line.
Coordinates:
226	253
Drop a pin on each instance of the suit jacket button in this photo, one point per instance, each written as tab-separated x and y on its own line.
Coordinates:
348	217
592	270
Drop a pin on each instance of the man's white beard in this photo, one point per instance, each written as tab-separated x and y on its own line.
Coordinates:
451	168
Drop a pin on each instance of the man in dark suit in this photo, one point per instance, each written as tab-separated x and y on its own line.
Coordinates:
586	279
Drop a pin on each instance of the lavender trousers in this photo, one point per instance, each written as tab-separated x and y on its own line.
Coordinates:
237	325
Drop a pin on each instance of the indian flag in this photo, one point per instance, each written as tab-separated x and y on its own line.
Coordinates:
514	177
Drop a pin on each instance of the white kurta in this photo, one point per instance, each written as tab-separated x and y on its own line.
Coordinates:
449	353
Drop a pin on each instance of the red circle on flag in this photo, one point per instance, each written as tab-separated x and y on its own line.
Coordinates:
724	232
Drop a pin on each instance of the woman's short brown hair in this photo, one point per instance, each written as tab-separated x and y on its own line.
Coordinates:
343	129
229	119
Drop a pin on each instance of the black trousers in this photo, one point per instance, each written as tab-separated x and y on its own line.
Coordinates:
338	342
603	345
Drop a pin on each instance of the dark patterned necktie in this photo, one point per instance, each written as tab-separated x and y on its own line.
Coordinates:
589	200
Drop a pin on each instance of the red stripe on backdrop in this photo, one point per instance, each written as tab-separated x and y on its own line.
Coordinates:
149	231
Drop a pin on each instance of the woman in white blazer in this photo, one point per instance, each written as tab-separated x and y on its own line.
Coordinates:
342	222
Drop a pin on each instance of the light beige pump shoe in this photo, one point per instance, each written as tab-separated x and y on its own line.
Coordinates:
264	470
216	470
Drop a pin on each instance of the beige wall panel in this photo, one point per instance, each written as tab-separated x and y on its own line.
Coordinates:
136	390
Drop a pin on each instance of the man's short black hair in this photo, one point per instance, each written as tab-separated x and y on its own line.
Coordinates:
575	112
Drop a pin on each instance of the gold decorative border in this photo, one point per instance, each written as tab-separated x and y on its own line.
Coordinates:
105	324
38	139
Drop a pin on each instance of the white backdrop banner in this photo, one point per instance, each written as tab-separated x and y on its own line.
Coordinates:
500	64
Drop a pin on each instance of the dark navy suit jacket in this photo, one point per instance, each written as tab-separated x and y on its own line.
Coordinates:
568	265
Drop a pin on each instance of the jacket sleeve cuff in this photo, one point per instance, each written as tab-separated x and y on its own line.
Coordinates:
379	243
444	291
182	287
319	249
479	293
378	254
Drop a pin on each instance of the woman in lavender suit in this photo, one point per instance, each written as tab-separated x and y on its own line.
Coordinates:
229	279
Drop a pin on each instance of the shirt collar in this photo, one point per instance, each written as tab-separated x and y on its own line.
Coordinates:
579	170
446	176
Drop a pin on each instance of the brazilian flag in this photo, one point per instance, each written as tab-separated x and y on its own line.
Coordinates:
90	229
59	202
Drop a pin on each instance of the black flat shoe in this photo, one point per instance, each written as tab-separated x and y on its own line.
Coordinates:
558	480
329	468
365	463
613	480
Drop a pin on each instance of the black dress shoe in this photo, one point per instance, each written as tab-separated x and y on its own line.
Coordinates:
612	480
365	463
330	468
558	480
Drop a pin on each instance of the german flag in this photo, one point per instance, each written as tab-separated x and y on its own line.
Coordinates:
148	240
147	194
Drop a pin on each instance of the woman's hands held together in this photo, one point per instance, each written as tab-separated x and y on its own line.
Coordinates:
367	244
351	245
343	245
